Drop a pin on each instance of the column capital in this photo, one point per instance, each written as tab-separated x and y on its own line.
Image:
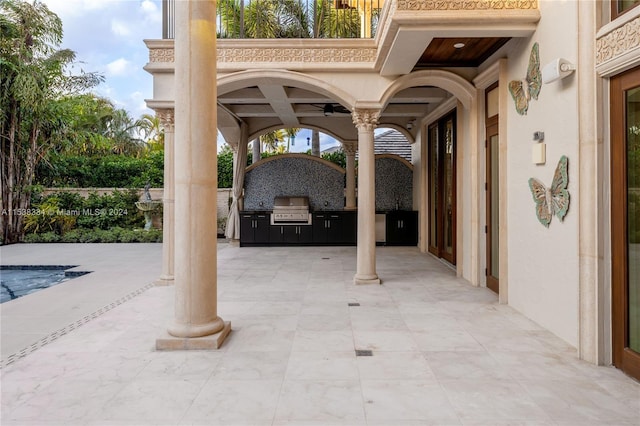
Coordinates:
350	148
365	119
167	118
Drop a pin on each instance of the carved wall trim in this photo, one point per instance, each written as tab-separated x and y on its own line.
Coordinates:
236	55
297	54
467	4
161	55
618	43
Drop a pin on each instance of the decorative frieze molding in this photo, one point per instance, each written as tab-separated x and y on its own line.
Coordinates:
237	55
467	4
366	119
618	43
348	55
161	55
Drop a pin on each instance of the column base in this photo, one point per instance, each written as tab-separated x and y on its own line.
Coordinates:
164	280
366	279
234	243
168	342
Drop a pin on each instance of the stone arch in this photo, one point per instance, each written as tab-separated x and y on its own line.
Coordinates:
239	80
463	90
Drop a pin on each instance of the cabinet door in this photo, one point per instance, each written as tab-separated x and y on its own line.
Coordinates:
320	228
261	230
334	229
246	228
305	234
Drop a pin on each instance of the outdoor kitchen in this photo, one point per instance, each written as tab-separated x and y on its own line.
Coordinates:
300	200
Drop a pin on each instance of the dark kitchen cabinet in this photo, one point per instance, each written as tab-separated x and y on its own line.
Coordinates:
254	228
334	227
291	234
402	228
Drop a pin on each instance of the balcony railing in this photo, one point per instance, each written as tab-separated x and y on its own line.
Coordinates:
288	18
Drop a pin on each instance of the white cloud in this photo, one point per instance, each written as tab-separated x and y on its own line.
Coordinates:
151	10
120	28
118	67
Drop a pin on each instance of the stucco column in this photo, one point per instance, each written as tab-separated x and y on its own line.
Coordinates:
196	179
350	149
366	121
166	117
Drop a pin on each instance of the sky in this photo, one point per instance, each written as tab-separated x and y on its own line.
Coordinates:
107	36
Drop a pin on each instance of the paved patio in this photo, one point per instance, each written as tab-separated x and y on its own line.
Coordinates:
443	352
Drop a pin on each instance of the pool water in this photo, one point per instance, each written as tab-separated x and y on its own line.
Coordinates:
20	281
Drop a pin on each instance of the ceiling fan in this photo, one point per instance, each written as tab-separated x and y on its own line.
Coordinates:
330	109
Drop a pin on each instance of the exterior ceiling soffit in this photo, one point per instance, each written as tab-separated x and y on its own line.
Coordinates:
421	21
618	44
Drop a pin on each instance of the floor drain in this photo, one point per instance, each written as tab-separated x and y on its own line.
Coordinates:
364	352
326	258
353	304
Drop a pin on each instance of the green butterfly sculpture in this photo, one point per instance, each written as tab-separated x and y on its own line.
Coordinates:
524	90
554	200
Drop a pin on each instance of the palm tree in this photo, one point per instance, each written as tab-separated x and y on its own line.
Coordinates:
287	19
151	130
270	140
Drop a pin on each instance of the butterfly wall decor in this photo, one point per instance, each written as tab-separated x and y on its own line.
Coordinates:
528	88
553	200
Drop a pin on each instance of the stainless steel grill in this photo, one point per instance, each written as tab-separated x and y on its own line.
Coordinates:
291	210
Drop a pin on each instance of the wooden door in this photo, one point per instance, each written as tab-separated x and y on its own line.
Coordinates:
625	220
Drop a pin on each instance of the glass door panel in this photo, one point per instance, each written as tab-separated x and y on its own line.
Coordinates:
448	187
633	215
433	189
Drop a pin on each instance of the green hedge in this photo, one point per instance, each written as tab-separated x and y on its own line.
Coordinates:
114	235
111	171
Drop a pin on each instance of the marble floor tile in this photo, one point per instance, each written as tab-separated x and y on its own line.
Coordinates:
579	401
235	401
448	365
385	340
332	341
394	366
324	322
322	366
396	400
251	366
320	401
446	340
178	365
491	399
259	340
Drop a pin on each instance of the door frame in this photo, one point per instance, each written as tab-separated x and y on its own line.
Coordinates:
623	357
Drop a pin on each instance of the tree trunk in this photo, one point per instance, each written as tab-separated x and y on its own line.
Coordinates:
315	143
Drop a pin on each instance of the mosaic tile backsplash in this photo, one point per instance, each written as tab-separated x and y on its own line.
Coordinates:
394	185
295	176
324	185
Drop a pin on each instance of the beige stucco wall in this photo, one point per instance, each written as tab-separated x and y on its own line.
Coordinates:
543	263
